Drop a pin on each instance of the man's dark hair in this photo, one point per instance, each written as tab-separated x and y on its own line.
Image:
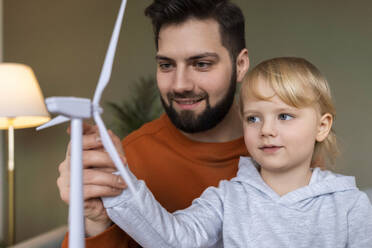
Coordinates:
229	17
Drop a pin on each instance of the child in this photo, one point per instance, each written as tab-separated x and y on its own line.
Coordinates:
280	197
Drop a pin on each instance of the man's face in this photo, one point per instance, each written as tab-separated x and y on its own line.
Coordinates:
195	75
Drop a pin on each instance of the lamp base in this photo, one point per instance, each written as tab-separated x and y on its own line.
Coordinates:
11	185
11	207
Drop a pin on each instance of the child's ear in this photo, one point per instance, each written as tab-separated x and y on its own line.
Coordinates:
325	125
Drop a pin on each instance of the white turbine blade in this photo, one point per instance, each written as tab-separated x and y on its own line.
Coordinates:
109	59
55	121
110	148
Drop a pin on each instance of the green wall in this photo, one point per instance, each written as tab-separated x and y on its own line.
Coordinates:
65	43
2	148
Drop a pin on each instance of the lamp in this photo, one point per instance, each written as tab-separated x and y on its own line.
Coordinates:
21	106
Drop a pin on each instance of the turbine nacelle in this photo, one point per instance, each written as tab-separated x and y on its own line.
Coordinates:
69	108
73	107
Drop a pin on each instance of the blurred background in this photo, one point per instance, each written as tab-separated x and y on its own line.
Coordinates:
65	43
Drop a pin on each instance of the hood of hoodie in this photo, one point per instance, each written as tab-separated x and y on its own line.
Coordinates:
322	182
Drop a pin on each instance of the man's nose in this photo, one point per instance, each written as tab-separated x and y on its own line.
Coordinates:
182	81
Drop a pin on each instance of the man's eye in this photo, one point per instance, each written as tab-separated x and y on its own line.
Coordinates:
285	117
202	65
165	66
253	119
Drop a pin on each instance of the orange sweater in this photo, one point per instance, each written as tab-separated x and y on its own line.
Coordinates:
175	168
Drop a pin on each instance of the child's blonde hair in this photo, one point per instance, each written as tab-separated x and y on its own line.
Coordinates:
298	83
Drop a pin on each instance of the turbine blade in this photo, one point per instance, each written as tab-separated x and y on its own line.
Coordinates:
110	148
55	121
109	59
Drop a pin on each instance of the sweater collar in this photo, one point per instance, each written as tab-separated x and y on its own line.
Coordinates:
322	182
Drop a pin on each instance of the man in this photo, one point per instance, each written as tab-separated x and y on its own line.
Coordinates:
201	55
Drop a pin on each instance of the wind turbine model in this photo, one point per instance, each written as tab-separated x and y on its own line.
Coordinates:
77	109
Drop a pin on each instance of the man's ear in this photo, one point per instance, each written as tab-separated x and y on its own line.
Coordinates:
325	125
242	65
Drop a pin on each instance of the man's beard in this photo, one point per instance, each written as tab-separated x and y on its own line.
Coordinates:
188	121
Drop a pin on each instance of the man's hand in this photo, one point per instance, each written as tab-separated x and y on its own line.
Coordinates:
98	180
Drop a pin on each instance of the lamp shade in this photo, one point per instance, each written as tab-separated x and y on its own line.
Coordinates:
21	100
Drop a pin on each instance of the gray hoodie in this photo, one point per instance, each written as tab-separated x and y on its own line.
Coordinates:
245	212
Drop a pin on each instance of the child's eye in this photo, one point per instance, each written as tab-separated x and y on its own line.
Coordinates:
253	119
285	117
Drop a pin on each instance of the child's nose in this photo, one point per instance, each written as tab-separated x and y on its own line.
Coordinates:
268	128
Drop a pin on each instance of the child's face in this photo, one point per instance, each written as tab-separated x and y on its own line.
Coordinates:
278	136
